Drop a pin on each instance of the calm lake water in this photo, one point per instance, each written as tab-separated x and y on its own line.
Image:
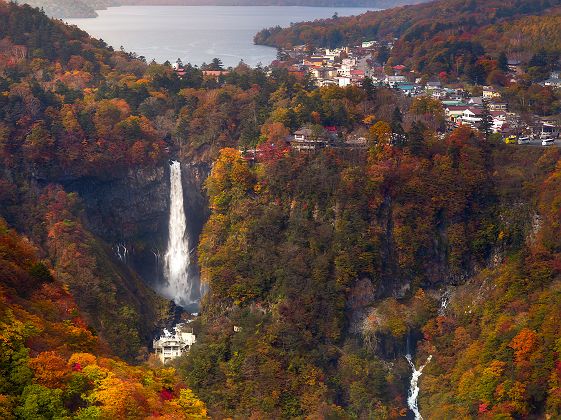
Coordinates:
197	34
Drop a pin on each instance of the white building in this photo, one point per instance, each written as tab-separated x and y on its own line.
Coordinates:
553	82
472	116
347	66
369	44
343	81
490	92
173	345
392	81
331	55
499	121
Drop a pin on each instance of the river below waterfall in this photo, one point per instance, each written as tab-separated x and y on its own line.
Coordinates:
414	389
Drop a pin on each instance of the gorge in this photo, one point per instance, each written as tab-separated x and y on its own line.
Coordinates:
418	272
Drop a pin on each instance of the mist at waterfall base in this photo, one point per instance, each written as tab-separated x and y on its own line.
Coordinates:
179	281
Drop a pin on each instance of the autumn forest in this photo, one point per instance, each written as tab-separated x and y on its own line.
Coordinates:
323	268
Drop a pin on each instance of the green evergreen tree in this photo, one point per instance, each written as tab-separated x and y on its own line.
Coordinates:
368	87
416	139
486	123
502	62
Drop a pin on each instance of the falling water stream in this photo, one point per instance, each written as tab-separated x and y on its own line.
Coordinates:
414	386
179	285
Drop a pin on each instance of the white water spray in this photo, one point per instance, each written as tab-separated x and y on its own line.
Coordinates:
414	386
177	260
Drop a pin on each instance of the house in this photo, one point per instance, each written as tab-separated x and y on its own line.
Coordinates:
392	81
317	60
490	92
553	82
357	76
499	121
347	66
433	85
439	93
454	112
173	345
306	139
331	55
323	72
472	116
406	88
498	106
297	72
476	101
514	65
343	81
214	74
356	141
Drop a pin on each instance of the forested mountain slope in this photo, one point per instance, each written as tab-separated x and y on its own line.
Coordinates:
496	348
331	264
432	37
381	4
46	69
52	364
324	268
70	8
87	9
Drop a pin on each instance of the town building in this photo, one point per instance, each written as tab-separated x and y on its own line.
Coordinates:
369	44
514	65
553	82
306	139
490	92
392	81
498	106
472	116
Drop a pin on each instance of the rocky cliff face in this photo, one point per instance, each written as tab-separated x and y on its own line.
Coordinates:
131	213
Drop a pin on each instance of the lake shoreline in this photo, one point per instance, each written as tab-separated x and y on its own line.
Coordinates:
197	34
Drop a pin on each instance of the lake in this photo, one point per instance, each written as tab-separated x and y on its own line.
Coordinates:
197	34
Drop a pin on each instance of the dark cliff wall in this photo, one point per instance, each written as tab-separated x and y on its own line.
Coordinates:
131	213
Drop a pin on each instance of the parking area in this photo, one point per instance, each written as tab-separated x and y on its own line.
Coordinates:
538	143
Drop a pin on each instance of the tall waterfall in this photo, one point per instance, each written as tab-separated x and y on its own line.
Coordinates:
179	284
414	386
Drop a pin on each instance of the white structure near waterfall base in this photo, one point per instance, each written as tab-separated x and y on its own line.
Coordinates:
171	346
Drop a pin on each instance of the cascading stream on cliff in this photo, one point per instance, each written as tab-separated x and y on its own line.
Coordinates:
179	285
414	386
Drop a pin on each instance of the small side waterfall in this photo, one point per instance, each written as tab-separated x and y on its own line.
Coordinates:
179	286
414	386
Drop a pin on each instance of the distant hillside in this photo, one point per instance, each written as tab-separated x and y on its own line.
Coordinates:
87	9
431	37
378	4
412	22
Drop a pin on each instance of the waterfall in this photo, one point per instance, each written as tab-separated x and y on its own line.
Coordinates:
444	302
414	386
179	284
